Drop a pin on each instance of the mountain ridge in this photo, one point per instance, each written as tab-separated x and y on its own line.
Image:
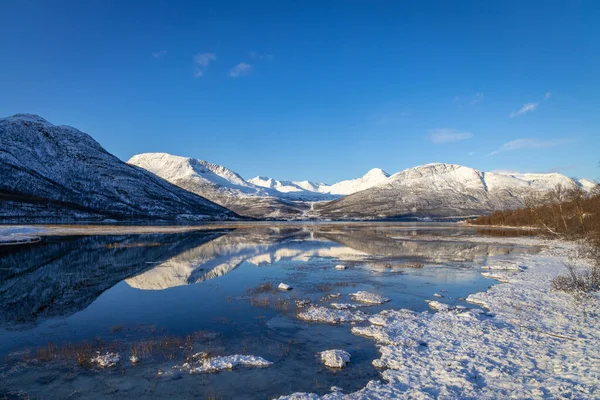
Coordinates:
58	172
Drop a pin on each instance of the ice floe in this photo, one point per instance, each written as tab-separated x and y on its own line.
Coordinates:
345	306
369	298
201	364
335	358
436	305
324	314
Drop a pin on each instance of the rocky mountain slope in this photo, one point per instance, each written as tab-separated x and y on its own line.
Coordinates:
443	190
59	172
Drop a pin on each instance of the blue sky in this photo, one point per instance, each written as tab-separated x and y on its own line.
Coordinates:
315	90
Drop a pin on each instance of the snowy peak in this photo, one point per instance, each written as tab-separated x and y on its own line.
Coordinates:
374	177
29	118
176	169
375	173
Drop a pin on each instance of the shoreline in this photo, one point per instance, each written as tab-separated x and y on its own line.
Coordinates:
526	342
30	230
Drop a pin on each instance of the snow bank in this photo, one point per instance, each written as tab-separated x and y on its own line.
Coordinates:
335	358
369	298
505	266
500	276
215	364
539	344
324	314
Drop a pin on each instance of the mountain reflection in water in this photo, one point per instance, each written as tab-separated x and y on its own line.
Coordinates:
60	276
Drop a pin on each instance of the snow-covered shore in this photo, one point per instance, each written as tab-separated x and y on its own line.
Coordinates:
528	342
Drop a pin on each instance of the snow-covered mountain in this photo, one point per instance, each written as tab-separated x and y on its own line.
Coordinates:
374	177
444	190
370	179
221	185
259	197
59	172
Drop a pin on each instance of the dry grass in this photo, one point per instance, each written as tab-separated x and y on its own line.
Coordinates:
262	288
578	281
79	354
167	347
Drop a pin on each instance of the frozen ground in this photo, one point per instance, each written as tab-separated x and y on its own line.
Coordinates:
529	342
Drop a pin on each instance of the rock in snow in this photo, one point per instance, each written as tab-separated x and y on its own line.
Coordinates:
335	358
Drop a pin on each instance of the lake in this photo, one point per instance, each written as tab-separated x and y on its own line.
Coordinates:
167	297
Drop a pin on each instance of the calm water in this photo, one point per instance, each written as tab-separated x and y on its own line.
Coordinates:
168	296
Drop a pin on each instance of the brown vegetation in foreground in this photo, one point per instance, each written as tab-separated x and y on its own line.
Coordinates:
567	214
570	214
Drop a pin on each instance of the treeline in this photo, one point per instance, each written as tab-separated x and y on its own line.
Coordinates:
569	213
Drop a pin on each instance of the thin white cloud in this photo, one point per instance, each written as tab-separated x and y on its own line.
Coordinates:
470	100
547	95
159	54
240	70
529	107
522	144
261	56
201	62
444	135
476	99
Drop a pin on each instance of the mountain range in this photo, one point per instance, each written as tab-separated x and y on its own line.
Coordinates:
60	173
